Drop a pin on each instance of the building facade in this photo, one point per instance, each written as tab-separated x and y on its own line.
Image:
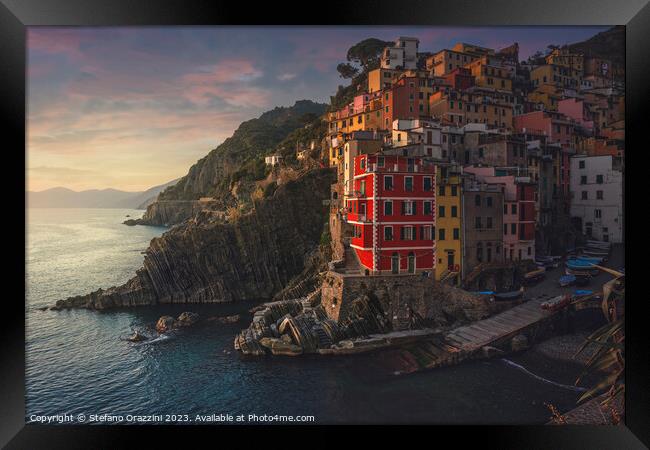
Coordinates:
597	191
393	214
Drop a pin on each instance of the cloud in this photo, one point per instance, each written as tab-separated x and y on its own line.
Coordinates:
287	76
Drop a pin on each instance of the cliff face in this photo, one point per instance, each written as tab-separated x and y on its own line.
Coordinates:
240	157
252	258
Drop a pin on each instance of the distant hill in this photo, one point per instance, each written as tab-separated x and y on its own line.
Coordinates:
60	197
609	44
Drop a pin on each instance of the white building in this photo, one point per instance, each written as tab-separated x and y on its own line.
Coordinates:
273	160
404	55
425	134
597	196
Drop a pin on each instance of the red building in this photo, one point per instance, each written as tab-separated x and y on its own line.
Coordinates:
393	213
460	79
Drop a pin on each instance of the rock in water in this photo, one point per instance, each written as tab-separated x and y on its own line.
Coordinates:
137	337
165	324
227	319
186	319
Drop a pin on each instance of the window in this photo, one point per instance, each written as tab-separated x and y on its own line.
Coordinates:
530	251
427	184
407	233
408	184
380	161
513	228
388	208
488	201
441	211
477	223
456	234
425	232
454	211
584	195
489	222
408	208
441	234
388	233
583	179
388	182
513	208
597	214
362	188
454	191
505	229
427	208
505	208
581	164
363	163
599	179
441	190
599	195
477	200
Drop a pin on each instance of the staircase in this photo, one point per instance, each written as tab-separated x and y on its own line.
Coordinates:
352	265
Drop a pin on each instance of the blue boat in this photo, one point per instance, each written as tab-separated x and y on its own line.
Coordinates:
582	293
590	259
567	280
578	264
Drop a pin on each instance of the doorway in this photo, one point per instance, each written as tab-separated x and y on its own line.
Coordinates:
394	263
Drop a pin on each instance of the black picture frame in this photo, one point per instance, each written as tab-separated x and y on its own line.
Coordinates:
16	15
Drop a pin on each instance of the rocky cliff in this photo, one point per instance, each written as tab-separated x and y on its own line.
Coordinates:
239	158
253	257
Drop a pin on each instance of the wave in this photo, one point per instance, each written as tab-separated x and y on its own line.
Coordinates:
528	372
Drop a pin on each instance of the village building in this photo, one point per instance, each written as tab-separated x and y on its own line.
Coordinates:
482	230
448	236
393	214
402	56
597	196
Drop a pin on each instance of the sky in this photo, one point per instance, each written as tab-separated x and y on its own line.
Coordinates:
133	107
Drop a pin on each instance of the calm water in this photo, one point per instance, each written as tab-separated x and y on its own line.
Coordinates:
78	363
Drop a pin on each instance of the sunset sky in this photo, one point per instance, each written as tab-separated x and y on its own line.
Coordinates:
130	108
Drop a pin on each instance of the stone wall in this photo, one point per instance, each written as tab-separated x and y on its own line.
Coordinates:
409	301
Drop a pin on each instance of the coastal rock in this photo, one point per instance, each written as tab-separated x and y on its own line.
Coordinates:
281	348
186	319
253	257
131	222
137	337
226	319
165	324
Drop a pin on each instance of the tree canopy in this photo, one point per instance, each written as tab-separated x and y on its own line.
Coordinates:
367	52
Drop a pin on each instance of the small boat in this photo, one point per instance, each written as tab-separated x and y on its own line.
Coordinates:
581	273
535	275
582	293
578	264
549	262
590	259
595	254
512	295
483	293
556	303
567	280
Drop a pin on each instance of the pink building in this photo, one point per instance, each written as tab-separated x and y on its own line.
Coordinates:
578	111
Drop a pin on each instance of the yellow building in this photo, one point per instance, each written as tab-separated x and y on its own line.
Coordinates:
448	223
489	73
559	76
547	94
461	108
563	57
379	79
445	61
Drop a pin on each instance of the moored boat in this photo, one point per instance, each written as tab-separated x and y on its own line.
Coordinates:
535	275
556	303
580	264
512	295
567	280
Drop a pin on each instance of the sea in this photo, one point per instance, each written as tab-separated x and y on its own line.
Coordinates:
79	364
